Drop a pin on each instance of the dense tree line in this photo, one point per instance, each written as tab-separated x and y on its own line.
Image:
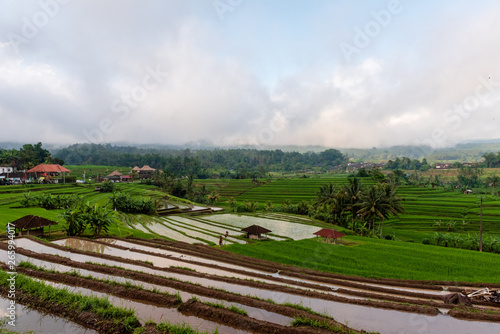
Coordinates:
491	159
27	157
357	207
234	163
407	164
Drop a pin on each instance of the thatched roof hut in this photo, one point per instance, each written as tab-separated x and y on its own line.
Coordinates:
35	224
255	232
329	234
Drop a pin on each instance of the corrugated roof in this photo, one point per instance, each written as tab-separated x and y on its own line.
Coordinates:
30	221
48	168
329	233
256	229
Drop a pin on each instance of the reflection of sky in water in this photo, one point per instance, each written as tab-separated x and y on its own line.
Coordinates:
31	320
367	318
145	312
292	230
214	229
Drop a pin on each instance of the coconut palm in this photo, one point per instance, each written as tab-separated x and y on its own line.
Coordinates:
232	203
327	195
493	181
213	197
352	192
378	203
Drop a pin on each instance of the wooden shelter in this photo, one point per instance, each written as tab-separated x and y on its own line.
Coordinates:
329	235
116	176
32	225
255	232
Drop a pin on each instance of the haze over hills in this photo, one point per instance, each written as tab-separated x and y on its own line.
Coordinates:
464	152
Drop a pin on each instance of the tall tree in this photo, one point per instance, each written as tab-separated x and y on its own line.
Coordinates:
493	181
378	203
352	192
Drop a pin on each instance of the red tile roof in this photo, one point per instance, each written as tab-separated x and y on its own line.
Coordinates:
329	233
47	168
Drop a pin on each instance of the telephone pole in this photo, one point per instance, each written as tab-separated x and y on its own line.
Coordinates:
481	226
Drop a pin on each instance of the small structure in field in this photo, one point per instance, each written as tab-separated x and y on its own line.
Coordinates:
255	232
48	171
32	225
329	235
115	176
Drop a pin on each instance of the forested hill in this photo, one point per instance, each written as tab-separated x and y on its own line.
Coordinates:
199	162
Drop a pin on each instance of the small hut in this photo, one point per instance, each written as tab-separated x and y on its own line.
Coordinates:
32	225
329	235
255	232
115	176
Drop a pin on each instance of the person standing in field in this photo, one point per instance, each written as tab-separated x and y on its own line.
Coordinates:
227	233
220	241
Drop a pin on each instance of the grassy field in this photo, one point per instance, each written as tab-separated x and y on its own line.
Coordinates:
10	208
379	258
424	206
93	171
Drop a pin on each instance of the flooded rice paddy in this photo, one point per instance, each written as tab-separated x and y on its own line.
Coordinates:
356	316
31	320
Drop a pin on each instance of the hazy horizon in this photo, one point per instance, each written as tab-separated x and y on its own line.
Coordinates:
340	74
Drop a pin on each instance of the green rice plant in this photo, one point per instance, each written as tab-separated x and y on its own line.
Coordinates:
100	306
184	268
183	328
179	298
238	310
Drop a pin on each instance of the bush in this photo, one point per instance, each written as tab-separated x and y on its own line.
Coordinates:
124	203
107	187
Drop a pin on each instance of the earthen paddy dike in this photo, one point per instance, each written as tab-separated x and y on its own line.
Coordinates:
387	306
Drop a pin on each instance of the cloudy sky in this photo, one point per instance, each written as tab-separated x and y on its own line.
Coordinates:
337	73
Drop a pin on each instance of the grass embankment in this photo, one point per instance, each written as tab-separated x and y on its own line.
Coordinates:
11	209
380	258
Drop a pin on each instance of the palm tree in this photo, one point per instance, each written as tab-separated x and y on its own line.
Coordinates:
269	206
378	204
213	197
327	194
493	181
232	202
352	192
370	207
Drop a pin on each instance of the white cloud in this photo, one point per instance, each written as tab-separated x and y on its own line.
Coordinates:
245	80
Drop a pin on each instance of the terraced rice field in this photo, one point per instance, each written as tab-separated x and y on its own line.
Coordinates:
179	282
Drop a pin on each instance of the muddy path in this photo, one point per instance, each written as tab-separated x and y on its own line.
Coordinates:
363	290
182	286
407	305
397	304
191	307
221	255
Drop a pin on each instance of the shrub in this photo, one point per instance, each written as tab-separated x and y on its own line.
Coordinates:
107	187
